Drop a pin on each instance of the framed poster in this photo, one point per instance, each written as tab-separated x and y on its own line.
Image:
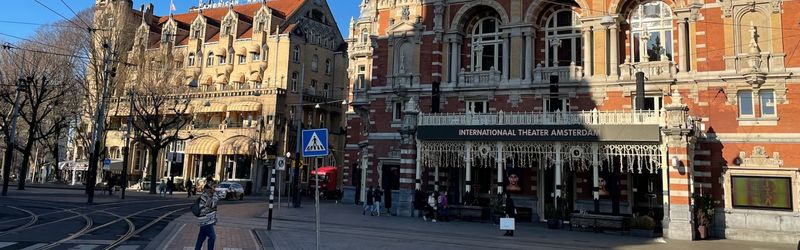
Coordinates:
761	192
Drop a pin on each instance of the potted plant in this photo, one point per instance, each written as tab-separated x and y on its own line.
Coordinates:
642	226
704	210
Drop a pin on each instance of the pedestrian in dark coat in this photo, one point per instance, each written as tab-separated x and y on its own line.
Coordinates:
369	202
189	188
170	184
111	185
511	211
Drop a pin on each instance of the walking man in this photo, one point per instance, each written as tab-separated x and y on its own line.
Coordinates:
511	211
378	194
207	219
369	202
111	185
170	185
189	188
162	188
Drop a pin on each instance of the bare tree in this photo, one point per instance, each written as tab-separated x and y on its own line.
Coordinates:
161	110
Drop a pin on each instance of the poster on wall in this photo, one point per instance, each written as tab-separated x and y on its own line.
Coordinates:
761	192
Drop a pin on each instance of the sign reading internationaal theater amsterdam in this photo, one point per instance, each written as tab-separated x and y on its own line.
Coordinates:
622	133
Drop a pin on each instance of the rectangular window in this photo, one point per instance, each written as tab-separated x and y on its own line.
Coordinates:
556	104
478	107
746	103
242	59
254	57
766	98
397	111
650	102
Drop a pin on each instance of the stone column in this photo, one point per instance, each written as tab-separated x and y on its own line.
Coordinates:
678	221
558	172
410	166
499	167
468	161
506	59
613	31
595	177
587	50
682	46
528	56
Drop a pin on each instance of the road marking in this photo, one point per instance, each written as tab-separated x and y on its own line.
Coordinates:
84	247
34	246
128	247
5	244
230	248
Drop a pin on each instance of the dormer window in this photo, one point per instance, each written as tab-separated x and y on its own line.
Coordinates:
196	34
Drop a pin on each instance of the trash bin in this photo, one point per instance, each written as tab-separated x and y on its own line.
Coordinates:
248	188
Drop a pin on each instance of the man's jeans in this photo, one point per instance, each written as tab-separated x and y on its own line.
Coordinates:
377	208
206	231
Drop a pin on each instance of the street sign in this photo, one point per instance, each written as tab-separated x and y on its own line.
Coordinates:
107	164
315	142
280	163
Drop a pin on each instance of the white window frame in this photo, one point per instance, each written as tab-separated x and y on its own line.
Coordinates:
661	25
752	104
481	40
294	81
659	102
190	60
473	106
768	103
296	54
558	37
210	60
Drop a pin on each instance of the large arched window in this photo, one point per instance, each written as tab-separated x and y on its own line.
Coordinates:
487	45
563	39
651	32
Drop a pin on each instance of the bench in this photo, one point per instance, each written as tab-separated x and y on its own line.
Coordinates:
468	213
598	222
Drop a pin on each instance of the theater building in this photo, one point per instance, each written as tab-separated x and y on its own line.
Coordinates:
540	99
251	61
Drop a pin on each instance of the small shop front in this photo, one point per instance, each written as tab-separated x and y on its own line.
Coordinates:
553	168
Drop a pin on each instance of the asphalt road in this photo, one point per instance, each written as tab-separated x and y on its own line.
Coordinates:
61	219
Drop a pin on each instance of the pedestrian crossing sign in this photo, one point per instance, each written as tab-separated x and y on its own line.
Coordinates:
315	142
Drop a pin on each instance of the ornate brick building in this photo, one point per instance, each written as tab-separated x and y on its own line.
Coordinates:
540	99
251	63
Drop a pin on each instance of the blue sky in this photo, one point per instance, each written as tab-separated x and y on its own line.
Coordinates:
31	12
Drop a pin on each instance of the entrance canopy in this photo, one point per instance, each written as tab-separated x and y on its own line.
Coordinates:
577	156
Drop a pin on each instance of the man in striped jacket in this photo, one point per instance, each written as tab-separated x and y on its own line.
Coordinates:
208	217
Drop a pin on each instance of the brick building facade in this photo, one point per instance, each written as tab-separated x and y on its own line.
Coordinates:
539	99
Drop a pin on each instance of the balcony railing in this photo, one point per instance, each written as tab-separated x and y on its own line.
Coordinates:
543	118
655	70
361	50
479	78
571	73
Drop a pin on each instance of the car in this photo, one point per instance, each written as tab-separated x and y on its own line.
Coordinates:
230	190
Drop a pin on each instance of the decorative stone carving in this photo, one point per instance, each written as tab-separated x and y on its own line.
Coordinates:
776	6
758	158
405	13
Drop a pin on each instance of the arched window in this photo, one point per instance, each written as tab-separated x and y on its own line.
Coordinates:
326	89
264	52
190	62
651	32
487	45
231	55
221	59
210	59
327	66
563	39
364	36
314	63
296	53
294	81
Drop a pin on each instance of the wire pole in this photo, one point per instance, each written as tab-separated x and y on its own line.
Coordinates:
126	150
12	136
99	125
298	142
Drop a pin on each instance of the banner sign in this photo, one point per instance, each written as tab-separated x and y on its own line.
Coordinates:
621	133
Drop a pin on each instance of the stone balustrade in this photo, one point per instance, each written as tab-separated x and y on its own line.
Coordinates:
651	117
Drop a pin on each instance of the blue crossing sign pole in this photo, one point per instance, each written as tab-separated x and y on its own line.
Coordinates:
315	144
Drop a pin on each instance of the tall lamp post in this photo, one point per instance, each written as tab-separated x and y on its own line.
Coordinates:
9	154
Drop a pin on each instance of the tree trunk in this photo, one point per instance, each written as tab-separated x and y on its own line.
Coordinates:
23	168
55	159
152	171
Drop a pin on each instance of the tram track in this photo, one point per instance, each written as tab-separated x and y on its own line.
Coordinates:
132	230
32	215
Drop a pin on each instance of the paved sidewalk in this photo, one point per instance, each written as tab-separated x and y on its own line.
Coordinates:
243	226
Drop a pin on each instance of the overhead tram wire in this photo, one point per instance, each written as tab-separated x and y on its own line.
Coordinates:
38	24
89	28
76	14
33	41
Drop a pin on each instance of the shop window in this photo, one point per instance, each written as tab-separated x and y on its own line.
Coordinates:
478	107
746	104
